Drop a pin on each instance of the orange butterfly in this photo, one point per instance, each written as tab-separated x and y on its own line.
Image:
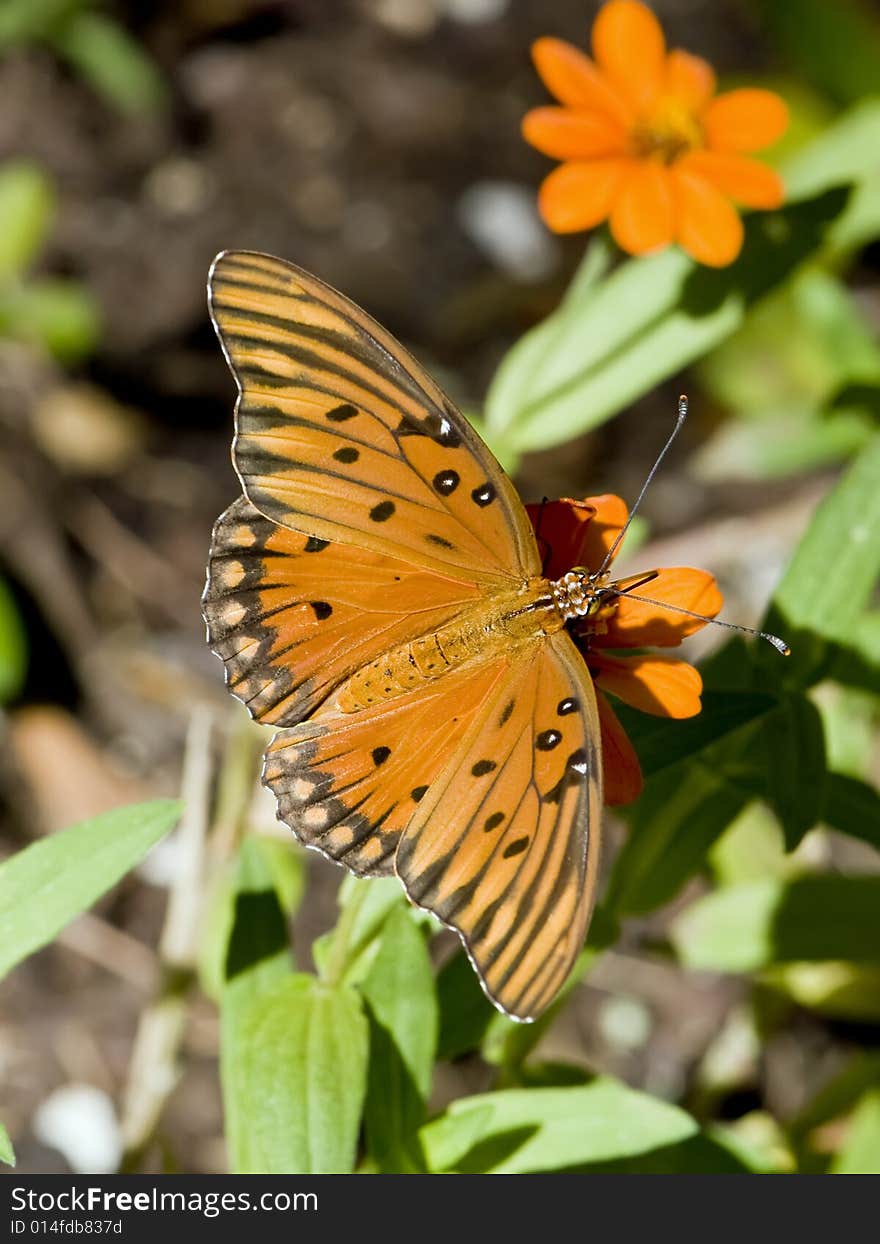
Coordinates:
378	593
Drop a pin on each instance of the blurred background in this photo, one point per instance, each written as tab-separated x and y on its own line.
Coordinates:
375	142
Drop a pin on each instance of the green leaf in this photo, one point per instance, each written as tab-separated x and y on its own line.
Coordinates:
796	770
837	47
61	314
799	349
346	953
13	647
852	807
782	443
304	1063
528	1130
842	990
465	1011
860	1154
645	322
844	154
112	62
744	928
835	567
678	818
43	887
7	1153
662	742
253	947
856	663
838	1094
264	866
22	21
402	1009
27	209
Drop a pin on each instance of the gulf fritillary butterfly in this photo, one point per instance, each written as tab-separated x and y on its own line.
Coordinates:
377	593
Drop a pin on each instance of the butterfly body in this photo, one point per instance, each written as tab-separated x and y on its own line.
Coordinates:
376	594
491	630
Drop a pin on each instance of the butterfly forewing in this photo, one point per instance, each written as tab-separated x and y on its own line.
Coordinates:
342	435
292	616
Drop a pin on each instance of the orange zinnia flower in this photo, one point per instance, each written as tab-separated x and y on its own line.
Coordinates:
580	533
647	143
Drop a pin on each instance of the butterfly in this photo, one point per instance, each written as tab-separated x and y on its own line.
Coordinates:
377	595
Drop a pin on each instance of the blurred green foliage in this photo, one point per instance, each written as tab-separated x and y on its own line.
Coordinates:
13	647
92	43
57	313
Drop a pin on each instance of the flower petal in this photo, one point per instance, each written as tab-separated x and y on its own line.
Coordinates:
572	77
578	195
567	135
560	529
690	79
747	181
658	685
634	624
621	771
629	46
745	120
707	225
641	217
609	518
576	533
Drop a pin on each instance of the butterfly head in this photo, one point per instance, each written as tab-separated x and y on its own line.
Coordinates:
578	594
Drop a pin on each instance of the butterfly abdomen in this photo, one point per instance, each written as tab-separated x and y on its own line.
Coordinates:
481	634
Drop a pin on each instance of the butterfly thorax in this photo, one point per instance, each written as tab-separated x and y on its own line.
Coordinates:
491	627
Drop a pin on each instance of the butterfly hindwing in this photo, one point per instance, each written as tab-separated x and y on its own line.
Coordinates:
505	845
292	616
349	784
341	434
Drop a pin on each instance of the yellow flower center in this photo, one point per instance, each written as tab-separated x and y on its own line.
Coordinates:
668	134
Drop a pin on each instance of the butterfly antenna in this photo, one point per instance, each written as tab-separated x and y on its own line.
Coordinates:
779	644
682	415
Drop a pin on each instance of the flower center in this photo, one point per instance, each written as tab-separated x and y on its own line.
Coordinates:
671	132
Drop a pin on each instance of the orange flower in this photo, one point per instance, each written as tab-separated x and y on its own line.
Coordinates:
647	143
580	533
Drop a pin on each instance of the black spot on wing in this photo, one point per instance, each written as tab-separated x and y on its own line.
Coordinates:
446	482
339	414
382	512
